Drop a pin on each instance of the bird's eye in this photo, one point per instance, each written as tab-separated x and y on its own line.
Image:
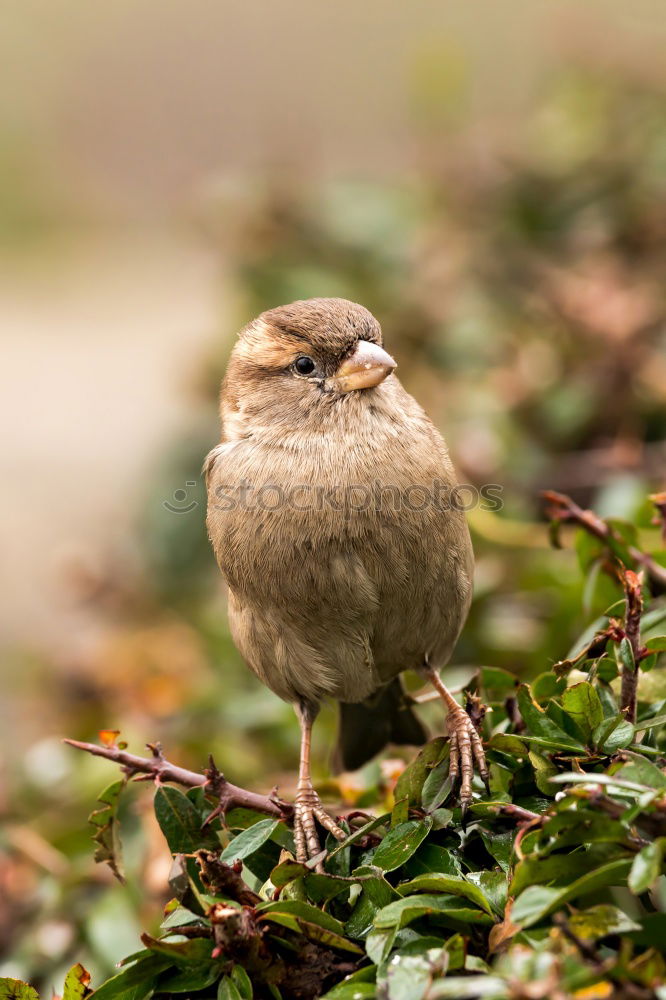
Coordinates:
304	365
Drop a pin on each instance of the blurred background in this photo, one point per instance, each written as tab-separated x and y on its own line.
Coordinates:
489	179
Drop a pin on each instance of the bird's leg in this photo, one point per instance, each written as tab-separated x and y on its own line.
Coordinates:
465	744
307	806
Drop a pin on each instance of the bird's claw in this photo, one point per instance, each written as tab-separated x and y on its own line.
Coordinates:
466	748
307	809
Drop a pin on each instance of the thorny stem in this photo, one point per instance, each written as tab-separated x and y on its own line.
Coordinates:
632	628
161	770
562	508
518	813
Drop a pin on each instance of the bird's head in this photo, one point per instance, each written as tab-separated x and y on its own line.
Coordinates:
292	363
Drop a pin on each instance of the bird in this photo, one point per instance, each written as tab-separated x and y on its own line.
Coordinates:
332	515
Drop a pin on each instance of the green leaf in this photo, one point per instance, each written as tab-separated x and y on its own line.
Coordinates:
599	921
191	951
498	682
180	916
494	885
537	901
455	949
432	858
647	866
561	869
641	771
624	655
136	982
411	968
613	734
410	784
288	871
180	822
607	671
649	662
508	744
302	910
469	987
351	991
242	982
107	833
543	771
499	846
457	885
574	827
541	726
77	983
441	818
404	911
548	685
654	723
584	640
581	702
15	989
227	989
249	841
379	942
436	787
375	894
319	887
305	919
189	979
400	843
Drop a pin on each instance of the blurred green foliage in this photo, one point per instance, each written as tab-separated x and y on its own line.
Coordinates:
522	294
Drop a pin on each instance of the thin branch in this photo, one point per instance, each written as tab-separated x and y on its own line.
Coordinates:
632	627
161	770
586	948
526	821
518	813
562	508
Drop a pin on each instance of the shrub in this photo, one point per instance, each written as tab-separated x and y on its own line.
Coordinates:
555	888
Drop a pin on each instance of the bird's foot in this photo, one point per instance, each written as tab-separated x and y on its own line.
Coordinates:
307	809
466	748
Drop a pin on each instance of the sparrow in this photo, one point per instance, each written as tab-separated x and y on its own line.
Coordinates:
332	515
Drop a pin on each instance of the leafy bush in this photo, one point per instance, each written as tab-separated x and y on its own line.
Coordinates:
556	887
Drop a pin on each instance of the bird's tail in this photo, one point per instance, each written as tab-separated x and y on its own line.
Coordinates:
367	726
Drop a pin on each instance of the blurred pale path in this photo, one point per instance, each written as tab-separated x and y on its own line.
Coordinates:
100	337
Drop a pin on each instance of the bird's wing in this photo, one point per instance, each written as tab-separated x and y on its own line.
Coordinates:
302	605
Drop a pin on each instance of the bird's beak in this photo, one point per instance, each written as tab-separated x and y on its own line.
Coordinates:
366	367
